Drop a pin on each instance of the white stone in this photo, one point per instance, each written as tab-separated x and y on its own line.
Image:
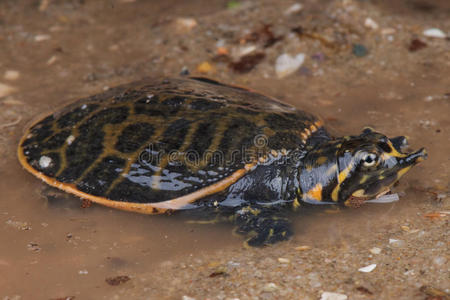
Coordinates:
435	33
375	250
11	75
41	37
370	23
70	139
186	24
294	8
270	287
283	260
368	268
287	64
6	90
333	296
44	162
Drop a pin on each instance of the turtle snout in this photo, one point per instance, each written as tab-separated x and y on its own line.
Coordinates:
416	157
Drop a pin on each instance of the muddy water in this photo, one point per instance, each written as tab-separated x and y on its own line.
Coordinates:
59	249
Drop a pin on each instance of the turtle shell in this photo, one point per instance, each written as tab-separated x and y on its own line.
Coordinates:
160	144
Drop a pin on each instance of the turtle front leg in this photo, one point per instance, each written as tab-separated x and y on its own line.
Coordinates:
262	225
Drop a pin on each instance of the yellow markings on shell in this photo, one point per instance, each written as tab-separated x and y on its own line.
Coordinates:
315	193
304	136
274	153
283	151
313	128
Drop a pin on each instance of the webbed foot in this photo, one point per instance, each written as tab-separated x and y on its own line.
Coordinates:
263	226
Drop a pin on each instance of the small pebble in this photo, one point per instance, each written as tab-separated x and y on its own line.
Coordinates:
184	71
185	24
293	9
375	250
205	67
287	64
405	228
370	23
283	260
359	50
302	248
6	90
11	75
396	243
83	272
434	33
270	287
333	296
439	260
368	269
387	31
33	247
41	37
52	60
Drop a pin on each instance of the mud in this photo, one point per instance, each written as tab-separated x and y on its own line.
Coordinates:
70	49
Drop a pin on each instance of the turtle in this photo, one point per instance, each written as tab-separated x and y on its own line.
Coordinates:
161	145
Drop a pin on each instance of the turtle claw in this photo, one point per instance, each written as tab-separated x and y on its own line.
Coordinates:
280	231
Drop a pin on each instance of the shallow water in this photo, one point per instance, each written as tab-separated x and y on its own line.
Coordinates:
59	249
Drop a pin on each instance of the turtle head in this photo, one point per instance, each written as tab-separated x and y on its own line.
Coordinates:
356	167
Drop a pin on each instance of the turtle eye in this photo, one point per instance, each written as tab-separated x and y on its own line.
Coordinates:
369	159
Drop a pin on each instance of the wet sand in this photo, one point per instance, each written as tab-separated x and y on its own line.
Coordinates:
72	49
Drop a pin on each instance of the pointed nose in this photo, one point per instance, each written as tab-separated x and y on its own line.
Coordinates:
416	157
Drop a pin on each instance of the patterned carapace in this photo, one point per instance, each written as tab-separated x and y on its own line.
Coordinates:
170	144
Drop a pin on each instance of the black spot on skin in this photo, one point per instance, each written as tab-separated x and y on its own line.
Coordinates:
99	179
205	104
385	147
133	137
56	141
73	117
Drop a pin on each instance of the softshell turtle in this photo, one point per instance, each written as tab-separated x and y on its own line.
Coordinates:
161	145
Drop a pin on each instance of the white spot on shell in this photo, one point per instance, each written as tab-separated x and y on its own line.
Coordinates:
44	162
83	106
70	139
